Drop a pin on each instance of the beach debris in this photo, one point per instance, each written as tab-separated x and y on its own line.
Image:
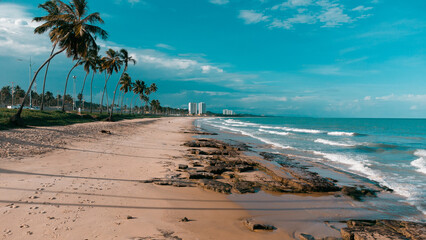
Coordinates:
183	166
304	236
106	131
185	219
358	192
130	217
253	226
383	229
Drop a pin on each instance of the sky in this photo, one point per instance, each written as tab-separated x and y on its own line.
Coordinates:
314	58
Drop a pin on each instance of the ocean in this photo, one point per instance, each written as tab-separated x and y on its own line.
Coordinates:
391	152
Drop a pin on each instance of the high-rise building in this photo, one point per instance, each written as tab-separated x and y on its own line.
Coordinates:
227	112
192	108
201	108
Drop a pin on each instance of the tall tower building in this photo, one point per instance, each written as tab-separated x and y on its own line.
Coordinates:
201	108
192	108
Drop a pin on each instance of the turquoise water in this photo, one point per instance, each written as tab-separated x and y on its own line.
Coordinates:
391	152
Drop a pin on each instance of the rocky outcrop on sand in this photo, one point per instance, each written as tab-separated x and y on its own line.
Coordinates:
383	229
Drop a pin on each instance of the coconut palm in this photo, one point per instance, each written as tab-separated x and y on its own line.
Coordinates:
95	67
53	10
139	88
110	63
126	86
88	62
151	89
73	31
126	59
155	104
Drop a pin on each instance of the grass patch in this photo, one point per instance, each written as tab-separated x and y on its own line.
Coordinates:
57	118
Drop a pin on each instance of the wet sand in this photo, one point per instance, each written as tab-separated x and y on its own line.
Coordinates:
90	188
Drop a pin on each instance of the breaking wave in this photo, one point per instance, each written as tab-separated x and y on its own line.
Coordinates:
332	143
420	163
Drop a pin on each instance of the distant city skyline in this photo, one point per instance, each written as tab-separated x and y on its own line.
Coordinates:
315	58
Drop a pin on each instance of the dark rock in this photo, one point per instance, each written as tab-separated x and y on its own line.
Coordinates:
244	187
197	164
218	169
228	175
201	175
304	236
185	219
257	226
383	229
130	217
106	131
357	193
243	168
183	166
215	186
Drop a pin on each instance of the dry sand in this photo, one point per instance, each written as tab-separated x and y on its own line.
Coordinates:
88	186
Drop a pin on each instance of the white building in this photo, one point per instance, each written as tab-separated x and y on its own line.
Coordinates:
192	108
201	108
227	112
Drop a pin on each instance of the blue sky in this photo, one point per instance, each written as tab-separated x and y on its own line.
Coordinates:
319	58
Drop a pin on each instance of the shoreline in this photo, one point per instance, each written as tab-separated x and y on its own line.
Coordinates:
324	209
100	185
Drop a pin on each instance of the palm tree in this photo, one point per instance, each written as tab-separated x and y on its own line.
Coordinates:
151	89
110	63
126	59
139	88
75	33
155	104
53	11
96	66
126	86
88	62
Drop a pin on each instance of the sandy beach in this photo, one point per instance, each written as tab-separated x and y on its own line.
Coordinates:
88	186
75	182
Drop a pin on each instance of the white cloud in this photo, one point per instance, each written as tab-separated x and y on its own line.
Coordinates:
165	46
302	98
331	13
414	107
251	16
17	36
418	98
362	8
333	16
209	68
263	98
292	4
212	93
219	2
367	98
288	24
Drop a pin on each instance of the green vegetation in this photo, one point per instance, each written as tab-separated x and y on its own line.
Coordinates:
57	118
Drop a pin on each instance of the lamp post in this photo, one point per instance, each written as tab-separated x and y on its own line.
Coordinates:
73	97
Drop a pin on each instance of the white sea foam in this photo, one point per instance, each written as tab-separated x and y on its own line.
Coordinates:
420	163
299	130
332	143
341	133
267	141
275	132
361	166
239	123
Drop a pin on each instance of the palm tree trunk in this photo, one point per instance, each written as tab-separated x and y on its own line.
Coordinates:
115	91
44	81
84	82
103	93
91	88
66	83
121	107
16	119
